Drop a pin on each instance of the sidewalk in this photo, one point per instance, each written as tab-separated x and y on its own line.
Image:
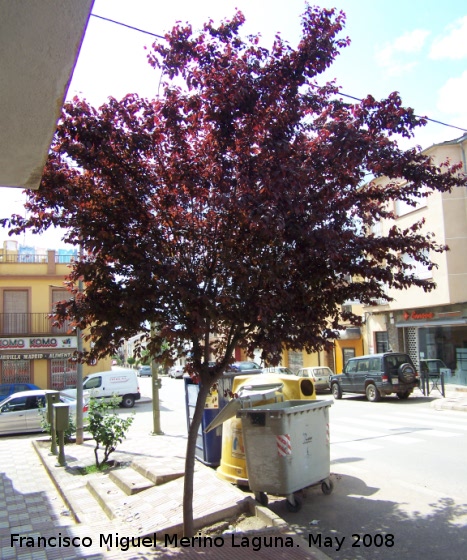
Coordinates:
455	399
62	507
48	508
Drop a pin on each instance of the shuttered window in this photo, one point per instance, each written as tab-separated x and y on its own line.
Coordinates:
60	295
15	311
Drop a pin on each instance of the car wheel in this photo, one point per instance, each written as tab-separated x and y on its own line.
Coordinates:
406	373
372	393
403	395
336	391
128	401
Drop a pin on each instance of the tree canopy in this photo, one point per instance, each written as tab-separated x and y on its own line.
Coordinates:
231	210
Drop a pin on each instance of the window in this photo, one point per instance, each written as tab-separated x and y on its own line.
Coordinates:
351	367
60	295
382	342
63	374
419	270
15	371
15	405
402	208
348	353
15	311
375	364
363	365
93	383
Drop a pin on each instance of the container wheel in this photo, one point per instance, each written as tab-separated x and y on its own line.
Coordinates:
294	506
262	498
327	487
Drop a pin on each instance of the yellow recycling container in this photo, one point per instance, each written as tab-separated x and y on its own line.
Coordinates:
253	391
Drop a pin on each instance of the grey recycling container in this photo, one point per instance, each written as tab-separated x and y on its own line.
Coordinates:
287	448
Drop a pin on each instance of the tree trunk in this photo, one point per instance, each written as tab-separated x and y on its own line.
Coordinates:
188	526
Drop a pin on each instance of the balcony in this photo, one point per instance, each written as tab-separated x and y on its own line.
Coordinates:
13	324
33	258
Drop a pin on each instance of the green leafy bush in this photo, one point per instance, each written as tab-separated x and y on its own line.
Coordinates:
106	427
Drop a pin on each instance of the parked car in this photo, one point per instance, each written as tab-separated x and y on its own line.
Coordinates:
245	367
145	371
280	370
432	367
7	389
19	413
176	372
107	384
375	375
320	375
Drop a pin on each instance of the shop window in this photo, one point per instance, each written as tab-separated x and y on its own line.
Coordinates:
15	371
63	374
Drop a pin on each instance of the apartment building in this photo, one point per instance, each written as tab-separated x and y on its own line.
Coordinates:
32	348
431	325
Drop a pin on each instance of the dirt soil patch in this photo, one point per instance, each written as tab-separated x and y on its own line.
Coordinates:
242	523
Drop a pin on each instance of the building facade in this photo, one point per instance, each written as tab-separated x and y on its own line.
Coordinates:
32	348
431	325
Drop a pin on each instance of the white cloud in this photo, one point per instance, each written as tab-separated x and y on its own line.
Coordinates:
393	56
452	96
453	44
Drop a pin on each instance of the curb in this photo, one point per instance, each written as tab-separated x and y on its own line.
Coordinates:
275	524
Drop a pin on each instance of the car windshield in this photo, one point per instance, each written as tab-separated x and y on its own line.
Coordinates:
323	371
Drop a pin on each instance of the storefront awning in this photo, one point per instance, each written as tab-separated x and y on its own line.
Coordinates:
433	323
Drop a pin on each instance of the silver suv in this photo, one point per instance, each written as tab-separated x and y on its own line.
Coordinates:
375	375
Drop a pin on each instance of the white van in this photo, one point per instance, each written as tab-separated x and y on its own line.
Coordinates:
122	383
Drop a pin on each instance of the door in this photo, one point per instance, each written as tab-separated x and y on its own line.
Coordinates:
13	416
360	376
345	380
33	416
94	386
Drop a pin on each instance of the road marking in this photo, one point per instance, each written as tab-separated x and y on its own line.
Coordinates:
413	420
358	445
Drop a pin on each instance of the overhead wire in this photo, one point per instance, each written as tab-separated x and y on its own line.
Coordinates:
340	93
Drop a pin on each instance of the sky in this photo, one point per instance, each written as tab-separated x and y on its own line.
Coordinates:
418	48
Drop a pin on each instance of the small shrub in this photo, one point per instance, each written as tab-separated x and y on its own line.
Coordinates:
106	427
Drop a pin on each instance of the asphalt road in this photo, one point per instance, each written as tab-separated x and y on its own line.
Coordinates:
399	472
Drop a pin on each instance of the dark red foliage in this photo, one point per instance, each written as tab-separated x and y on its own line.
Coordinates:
232	210
234	207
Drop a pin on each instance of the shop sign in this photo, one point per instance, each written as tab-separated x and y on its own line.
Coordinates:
38	342
416	316
36	356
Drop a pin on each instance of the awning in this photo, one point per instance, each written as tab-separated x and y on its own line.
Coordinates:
433	323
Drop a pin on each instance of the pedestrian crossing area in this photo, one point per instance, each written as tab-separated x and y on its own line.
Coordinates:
375	430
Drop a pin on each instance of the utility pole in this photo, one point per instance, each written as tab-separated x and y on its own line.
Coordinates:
156	383
79	371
